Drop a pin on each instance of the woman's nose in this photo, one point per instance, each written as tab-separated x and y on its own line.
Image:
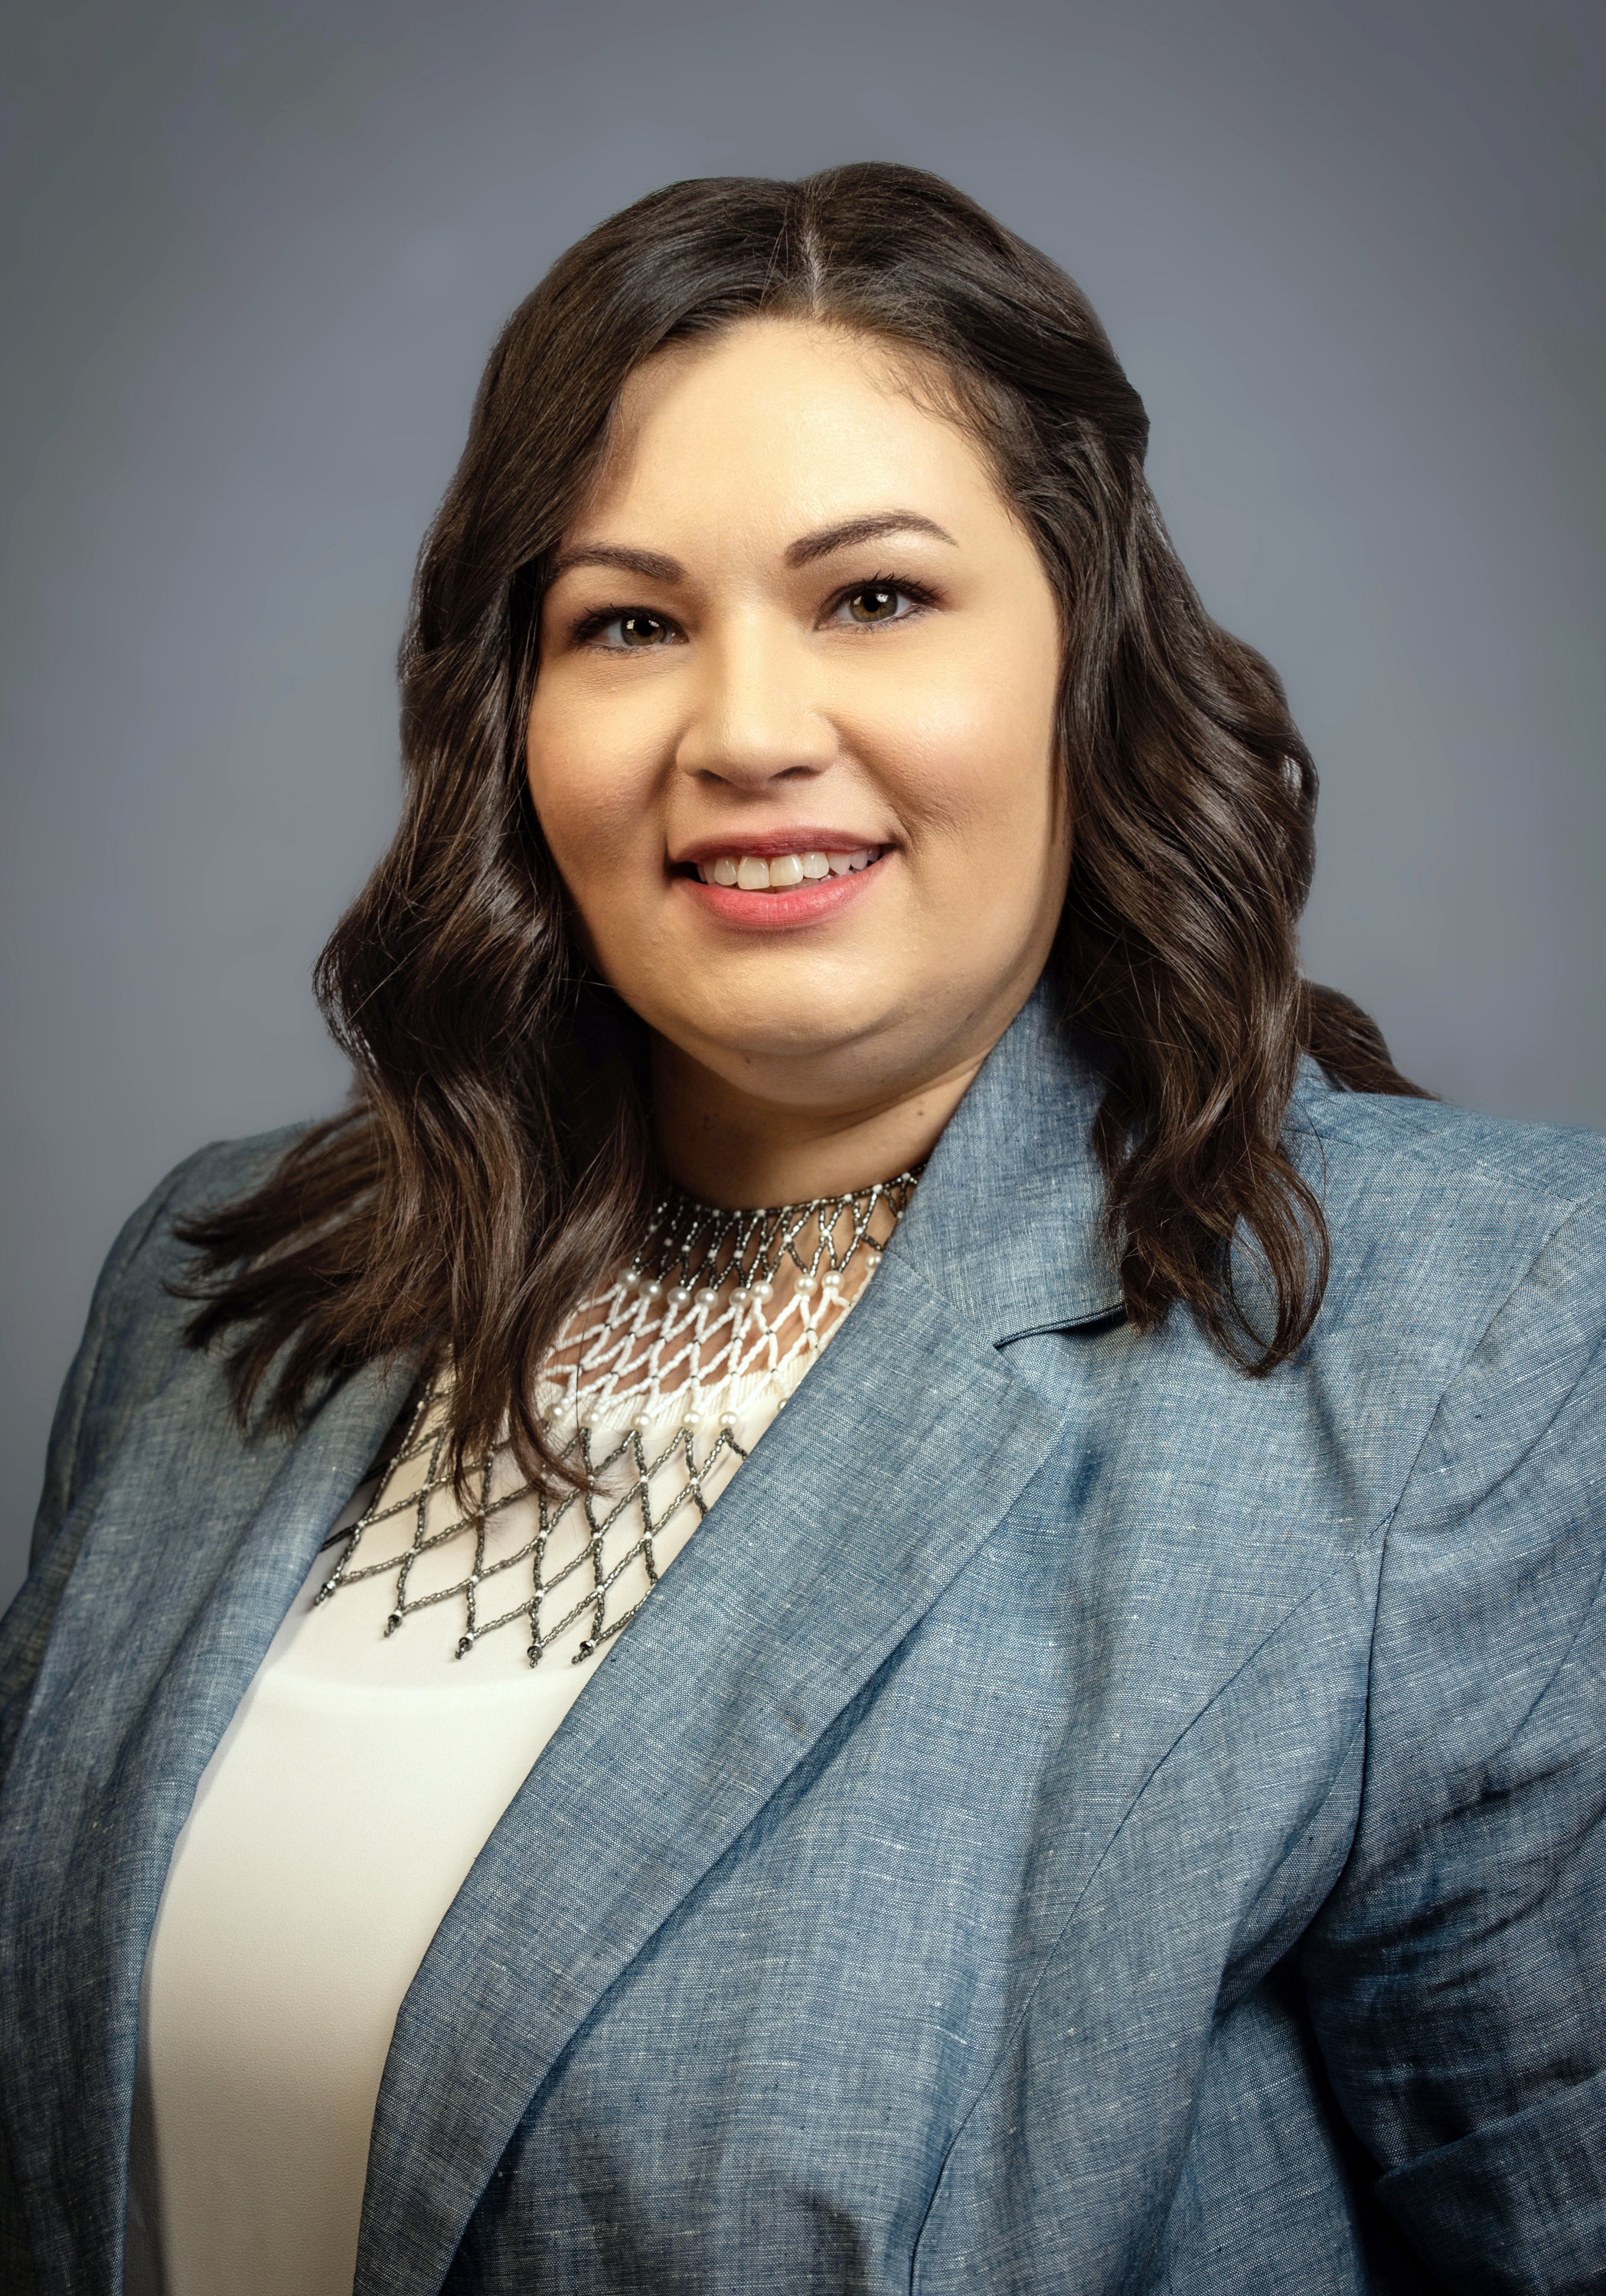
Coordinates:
758	716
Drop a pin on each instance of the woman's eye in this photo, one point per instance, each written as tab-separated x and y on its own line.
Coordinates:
877	602
638	629
629	632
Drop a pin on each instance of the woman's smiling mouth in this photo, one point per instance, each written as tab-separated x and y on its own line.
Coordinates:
753	872
799	880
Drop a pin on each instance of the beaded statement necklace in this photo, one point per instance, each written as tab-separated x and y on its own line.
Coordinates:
649	1390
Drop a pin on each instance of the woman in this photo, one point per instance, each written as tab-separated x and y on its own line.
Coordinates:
1108	1797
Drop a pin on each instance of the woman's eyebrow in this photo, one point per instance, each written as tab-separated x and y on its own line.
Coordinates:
853	530
652	565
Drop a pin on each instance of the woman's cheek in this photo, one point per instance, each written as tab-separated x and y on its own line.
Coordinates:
591	811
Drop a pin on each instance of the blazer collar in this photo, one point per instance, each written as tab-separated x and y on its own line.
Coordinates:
1006	1222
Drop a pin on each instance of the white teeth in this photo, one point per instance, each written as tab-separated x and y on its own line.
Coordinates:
753	874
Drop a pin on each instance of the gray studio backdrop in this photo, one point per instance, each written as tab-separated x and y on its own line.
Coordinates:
253	256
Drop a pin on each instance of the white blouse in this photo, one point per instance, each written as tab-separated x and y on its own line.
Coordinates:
356	1785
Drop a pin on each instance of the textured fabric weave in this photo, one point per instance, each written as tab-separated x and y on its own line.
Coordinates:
1089	1820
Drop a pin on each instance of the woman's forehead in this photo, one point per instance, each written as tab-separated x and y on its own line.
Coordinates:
783	422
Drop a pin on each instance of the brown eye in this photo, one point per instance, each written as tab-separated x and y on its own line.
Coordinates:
876	604
641	630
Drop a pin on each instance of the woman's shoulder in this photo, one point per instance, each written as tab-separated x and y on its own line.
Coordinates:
149	1254
1393	1148
1450	1203
136	1327
1467	1258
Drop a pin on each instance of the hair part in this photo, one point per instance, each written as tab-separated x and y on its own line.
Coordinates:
496	1161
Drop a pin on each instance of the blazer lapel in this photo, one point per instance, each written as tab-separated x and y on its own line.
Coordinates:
900	1453
195	1546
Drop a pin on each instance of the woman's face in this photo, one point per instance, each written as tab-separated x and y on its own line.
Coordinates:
792	743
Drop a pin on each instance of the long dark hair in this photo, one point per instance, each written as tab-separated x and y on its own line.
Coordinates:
496	1161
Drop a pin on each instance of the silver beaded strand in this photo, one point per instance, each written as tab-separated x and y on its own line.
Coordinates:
714	1301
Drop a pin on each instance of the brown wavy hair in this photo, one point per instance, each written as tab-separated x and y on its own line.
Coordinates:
496	1159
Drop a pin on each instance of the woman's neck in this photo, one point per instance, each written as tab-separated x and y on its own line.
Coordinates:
726	1146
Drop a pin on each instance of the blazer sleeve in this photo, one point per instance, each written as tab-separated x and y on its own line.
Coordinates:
1457	1976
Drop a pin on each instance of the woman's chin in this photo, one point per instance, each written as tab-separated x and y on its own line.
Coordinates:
804	1049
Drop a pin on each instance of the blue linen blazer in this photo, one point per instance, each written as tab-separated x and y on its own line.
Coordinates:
1074	1818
